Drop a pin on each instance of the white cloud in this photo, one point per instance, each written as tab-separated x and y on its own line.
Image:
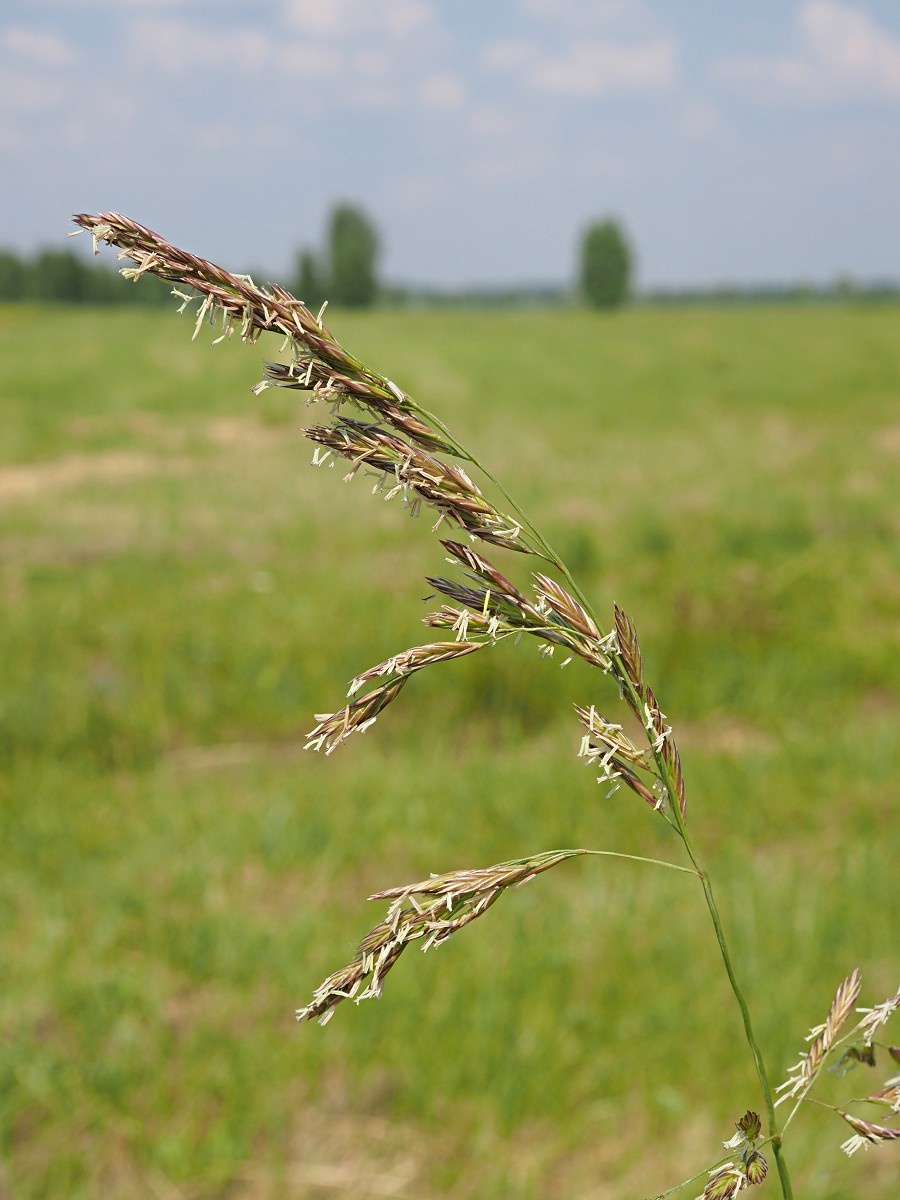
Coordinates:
851	48
36	46
766	77
354	18
619	18
841	53
175	47
497	168
369	64
587	68
310	62
443	92
512	55
32	78
492	123
377	49
22	93
118	5
699	120
221	137
591	68
577	49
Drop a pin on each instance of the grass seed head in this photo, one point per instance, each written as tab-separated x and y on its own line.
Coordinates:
629	650
430	911
866	1133
334	728
874	1018
803	1074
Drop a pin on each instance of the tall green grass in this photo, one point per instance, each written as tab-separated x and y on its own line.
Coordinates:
180	593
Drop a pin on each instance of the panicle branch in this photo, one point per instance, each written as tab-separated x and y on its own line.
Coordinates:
659	735
319	364
308	375
860	1050
875	1018
499	605
888	1096
334	728
628	669
496	607
431	910
403	468
414	659
630	655
607	746
866	1133
803	1074
746	1169
360	715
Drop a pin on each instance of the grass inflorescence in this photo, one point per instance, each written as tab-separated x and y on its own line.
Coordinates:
175	718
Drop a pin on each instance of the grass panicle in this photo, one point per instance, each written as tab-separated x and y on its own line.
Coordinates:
875	1018
823	1037
608	747
888	1096
401	444
322	367
333	728
250	309
402	469
866	1133
430	911
630	653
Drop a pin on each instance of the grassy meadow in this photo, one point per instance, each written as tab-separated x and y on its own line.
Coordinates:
181	591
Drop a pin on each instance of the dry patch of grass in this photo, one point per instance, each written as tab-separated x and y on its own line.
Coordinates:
33	481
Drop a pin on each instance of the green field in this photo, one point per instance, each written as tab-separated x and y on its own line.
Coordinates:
181	591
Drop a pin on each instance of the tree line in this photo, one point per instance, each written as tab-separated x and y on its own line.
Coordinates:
344	271
64	277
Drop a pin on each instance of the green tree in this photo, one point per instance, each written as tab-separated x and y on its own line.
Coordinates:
605	265
310	282
12	276
59	277
352	254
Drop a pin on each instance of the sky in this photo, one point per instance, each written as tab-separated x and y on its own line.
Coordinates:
747	143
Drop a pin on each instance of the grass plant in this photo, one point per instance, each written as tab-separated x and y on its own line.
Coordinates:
232	922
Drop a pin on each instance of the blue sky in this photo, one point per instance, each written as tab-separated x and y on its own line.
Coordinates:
747	142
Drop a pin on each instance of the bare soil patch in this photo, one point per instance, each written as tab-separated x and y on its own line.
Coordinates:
31	481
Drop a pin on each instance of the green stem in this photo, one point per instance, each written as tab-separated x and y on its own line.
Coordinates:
775	1134
693	1179
678	823
656	862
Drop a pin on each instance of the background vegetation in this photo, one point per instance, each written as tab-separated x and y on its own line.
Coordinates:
346	272
181	592
56	276
606	265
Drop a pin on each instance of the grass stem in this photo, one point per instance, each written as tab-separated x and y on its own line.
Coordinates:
656	862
